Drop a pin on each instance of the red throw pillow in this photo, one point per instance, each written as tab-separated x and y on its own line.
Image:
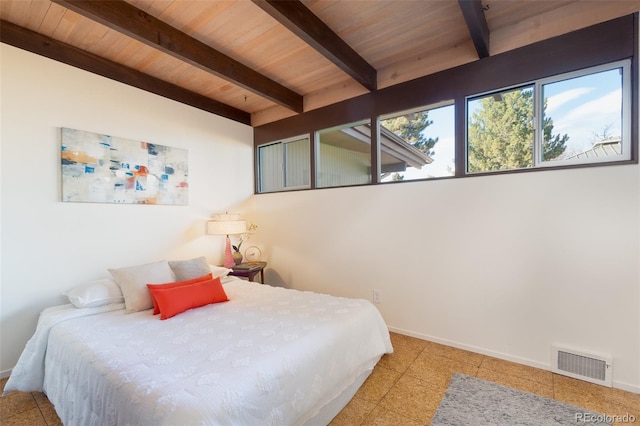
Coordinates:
156	310
173	301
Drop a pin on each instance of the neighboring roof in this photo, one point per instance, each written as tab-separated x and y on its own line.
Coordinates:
399	148
393	149
605	148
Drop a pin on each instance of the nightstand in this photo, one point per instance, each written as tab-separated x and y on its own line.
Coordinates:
249	270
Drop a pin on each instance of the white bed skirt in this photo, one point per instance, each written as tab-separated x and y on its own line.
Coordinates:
333	407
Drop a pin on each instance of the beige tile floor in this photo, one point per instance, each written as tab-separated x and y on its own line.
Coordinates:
405	388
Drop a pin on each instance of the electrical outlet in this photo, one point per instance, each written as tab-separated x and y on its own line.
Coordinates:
376	295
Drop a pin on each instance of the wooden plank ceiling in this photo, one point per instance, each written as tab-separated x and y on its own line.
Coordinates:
257	61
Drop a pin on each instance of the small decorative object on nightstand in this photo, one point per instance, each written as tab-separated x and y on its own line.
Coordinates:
237	255
252	254
249	270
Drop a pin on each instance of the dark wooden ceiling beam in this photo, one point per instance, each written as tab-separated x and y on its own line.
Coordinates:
26	39
473	12
303	23
127	19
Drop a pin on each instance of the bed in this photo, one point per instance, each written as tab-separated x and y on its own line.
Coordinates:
268	356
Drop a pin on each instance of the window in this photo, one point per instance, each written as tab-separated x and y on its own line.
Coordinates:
344	155
418	144
500	131
284	165
576	118
590	114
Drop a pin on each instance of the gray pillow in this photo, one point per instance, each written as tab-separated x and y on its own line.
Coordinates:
191	268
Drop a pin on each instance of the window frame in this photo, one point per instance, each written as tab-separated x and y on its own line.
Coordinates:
284	143
318	157
429	107
625	142
538	162
520	86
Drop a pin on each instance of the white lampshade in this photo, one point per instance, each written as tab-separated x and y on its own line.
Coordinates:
231	227
226	224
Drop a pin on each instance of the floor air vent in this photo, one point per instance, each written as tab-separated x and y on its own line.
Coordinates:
583	366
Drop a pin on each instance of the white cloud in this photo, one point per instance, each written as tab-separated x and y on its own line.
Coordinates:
582	122
556	101
607	104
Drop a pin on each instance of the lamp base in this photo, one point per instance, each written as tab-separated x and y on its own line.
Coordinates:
228	255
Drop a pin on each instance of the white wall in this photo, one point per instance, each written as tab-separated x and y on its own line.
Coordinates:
49	246
502	265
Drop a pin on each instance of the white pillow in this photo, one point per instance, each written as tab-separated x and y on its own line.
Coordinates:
94	294
219	271
133	282
189	269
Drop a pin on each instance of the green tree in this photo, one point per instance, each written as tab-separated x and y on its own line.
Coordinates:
410	128
501	133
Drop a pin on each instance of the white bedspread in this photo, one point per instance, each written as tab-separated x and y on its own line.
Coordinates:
28	374
269	356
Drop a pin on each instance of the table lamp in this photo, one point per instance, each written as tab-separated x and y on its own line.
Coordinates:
227	224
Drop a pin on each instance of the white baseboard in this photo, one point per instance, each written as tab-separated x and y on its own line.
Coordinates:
626	387
543	366
5	373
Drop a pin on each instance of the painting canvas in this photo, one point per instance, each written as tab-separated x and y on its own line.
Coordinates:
108	169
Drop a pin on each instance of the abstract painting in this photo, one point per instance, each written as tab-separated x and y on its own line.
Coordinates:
108	169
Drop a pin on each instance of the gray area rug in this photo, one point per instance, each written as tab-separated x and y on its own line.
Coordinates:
472	401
